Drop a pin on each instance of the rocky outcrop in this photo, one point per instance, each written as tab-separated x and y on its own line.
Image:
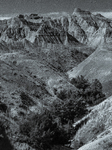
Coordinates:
19	29
80	27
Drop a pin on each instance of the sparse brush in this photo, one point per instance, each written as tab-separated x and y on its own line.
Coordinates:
100	119
26	100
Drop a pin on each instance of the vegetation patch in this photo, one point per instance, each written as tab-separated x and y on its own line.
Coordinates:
26	99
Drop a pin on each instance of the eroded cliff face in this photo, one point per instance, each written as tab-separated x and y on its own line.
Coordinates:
80	27
88	28
96	27
47	31
36	50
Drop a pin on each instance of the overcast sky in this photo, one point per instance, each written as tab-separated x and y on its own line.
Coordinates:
45	6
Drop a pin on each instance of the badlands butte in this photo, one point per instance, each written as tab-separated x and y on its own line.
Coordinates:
52	60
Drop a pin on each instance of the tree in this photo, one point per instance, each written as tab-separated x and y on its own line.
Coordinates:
80	82
64	94
70	110
5	143
21	16
96	86
93	94
43	132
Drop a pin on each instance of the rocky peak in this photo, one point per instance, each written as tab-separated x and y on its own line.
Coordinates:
77	10
81	26
81	12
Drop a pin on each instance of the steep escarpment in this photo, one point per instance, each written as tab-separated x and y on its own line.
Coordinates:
80	27
86	27
37	59
96	28
19	29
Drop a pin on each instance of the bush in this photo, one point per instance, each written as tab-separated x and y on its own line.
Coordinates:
3	107
96	86
44	132
53	128
70	110
80	82
4	141
64	94
21	16
91	92
26	100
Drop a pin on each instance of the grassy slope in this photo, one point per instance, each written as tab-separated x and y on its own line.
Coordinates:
97	65
28	71
97	132
20	72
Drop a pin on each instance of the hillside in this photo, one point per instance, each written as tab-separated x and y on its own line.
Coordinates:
96	133
97	65
24	82
39	54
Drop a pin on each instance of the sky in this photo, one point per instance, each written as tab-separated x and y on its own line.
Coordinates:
10	7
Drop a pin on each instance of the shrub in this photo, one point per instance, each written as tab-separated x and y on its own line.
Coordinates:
91	92
70	110
21	16
52	128
44	132
26	100
3	107
80	82
4	141
63	94
14	62
96	86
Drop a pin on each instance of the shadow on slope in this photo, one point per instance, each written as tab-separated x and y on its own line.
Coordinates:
4	141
